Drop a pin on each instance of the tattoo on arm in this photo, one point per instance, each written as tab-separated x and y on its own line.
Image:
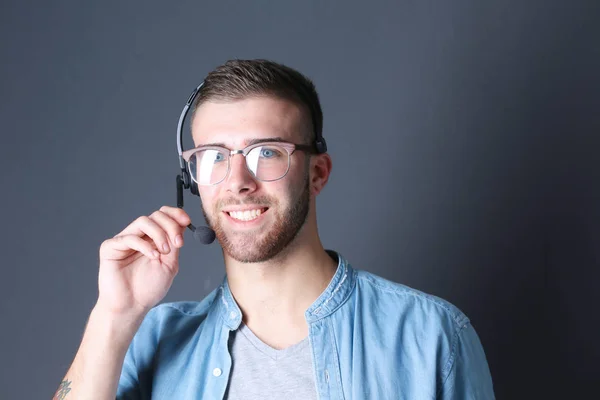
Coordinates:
62	391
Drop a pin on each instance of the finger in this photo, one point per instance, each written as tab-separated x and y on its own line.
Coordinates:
145	226
177	214
173	228
120	247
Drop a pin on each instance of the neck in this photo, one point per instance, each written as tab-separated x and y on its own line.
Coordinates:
274	295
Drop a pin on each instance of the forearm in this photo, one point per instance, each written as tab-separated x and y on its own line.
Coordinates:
95	371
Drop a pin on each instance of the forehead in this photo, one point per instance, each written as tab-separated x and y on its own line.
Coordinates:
236	122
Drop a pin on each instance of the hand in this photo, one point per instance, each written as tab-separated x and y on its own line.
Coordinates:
136	271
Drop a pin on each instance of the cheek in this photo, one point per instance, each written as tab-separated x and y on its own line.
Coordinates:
288	193
207	197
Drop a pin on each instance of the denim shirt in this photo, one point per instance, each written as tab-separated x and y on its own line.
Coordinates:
370	339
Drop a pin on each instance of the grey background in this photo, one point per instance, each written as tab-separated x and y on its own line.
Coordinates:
483	187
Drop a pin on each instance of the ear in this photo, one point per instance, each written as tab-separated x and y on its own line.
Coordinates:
320	169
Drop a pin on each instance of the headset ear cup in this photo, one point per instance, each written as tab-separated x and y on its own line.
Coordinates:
189	183
194	188
321	145
192	185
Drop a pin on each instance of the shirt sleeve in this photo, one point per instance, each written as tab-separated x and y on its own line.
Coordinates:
128	388
469	376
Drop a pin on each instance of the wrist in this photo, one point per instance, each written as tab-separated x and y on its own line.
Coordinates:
116	326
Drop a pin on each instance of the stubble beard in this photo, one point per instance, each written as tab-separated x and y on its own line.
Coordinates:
248	247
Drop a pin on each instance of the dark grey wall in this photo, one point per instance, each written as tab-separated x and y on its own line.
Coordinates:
465	143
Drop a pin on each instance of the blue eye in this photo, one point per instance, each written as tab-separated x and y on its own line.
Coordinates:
267	152
219	157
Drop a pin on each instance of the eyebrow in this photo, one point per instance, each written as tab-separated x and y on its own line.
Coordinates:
247	142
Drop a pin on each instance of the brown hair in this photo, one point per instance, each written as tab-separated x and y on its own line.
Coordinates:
240	79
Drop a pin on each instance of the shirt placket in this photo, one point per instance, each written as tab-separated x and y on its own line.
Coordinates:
325	361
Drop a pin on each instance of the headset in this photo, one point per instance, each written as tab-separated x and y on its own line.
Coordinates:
184	180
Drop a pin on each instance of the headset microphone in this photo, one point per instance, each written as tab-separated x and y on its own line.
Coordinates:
203	234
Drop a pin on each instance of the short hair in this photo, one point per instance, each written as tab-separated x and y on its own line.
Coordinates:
241	79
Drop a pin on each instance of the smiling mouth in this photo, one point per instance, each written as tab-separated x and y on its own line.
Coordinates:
247	215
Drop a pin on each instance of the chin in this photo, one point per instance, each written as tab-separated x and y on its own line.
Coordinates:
248	248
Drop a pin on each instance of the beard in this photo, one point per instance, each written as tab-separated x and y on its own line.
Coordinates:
248	247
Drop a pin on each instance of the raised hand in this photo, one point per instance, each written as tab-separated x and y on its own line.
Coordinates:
138	265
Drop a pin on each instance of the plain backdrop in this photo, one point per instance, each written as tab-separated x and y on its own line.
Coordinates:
464	136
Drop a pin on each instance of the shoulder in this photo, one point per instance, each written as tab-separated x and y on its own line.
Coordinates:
427	329
407	302
430	335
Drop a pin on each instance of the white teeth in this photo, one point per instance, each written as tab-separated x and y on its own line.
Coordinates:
245	215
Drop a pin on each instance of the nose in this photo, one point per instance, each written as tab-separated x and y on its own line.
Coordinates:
239	180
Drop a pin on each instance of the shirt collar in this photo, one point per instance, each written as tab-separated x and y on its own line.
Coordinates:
339	289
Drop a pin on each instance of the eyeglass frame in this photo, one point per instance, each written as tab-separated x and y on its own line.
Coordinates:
288	146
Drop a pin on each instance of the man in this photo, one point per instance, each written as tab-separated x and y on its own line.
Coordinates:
291	320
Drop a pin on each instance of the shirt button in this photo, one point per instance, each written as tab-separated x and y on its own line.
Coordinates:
217	372
232	315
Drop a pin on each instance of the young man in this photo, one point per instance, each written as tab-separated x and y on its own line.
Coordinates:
291	320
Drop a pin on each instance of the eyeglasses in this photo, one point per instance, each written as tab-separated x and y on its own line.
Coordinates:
268	161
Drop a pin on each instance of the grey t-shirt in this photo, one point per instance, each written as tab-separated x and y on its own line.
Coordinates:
262	372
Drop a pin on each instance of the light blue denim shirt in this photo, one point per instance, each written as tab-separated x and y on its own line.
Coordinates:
370	339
